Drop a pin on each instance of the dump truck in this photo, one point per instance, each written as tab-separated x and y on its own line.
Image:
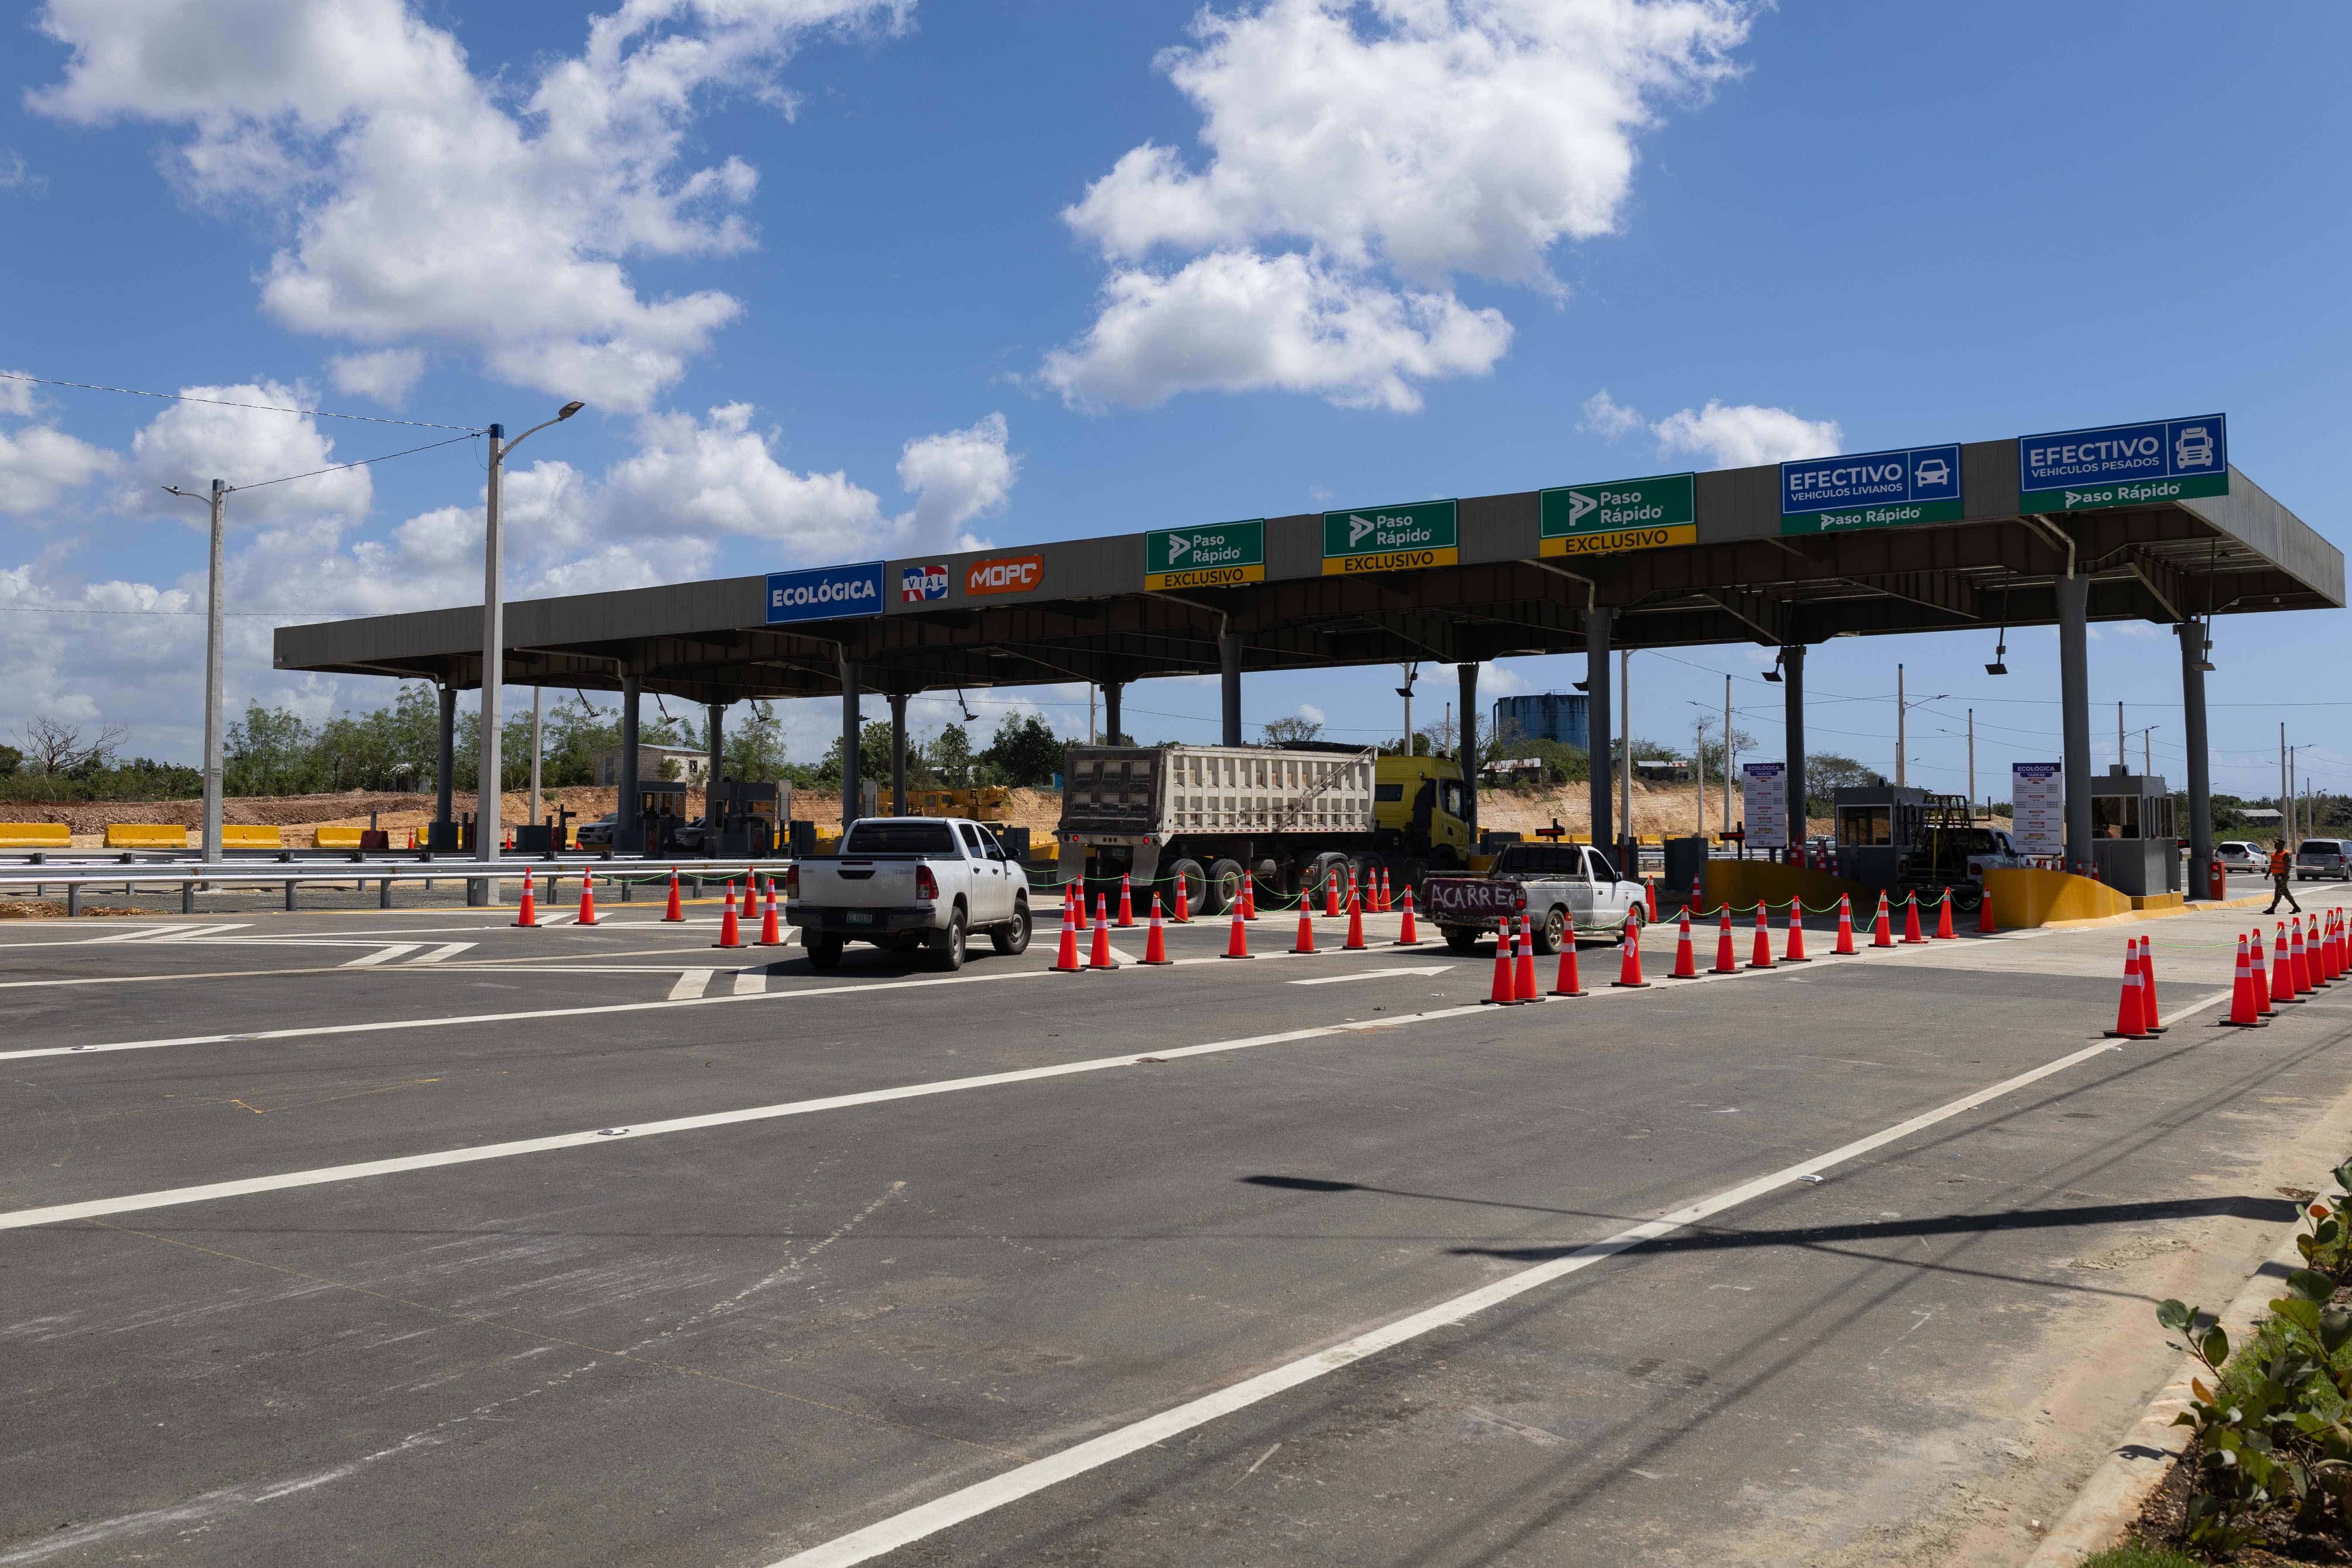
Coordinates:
1294	816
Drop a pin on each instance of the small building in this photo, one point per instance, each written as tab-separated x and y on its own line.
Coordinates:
1662	770
1561	717
653	763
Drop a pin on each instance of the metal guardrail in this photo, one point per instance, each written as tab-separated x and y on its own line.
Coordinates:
482	878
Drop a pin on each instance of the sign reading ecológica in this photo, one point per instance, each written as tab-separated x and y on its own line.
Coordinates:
1212	557
2124	465
825	592
1875	489
1619	514
1389	538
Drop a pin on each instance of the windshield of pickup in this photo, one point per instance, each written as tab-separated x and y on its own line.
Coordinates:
1541	860
881	835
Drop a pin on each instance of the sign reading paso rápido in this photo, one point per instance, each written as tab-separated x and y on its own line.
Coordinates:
1217	556
1390	538
1619	514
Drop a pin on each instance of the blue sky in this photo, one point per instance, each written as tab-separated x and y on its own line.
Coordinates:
847	277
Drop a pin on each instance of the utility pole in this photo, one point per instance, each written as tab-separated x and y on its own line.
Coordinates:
1726	753
491	770
538	750
1972	760
1698	768
1090	712
1901	710
2121	761
1412	674
2284	805
215	620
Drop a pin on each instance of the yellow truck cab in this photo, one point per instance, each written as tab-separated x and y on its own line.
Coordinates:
1402	785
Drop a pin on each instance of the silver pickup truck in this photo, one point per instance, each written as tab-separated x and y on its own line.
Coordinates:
1559	886
909	882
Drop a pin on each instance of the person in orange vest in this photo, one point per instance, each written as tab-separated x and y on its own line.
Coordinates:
2282	870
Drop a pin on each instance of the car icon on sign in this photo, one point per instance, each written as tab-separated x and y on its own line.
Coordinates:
2194	450
1932	472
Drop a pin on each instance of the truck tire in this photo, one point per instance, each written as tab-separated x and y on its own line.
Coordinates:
1461	939
1225	886
1551	932
1196	886
824	951
1324	867
1012	938
947	946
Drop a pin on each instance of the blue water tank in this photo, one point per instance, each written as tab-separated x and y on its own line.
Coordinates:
1557	716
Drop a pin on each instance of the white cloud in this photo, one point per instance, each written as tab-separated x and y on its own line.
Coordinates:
427	205
1355	143
39	465
1312	714
955	478
1741	435
17	396
1606	418
388	375
192	444
15	174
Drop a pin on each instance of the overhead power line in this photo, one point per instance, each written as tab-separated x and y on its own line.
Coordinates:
225	403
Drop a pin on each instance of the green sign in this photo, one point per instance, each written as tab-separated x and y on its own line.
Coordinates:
1619	514
1390	538
1210	557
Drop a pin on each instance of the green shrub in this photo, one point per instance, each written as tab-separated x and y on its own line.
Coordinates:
2136	1555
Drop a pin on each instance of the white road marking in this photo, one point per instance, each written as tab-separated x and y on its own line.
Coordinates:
1368	974
690	982
385	954
448	950
750	982
970	1503
163	933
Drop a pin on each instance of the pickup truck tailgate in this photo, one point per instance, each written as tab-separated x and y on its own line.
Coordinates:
850	884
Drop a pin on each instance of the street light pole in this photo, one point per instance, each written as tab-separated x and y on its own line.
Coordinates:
487	774
215	623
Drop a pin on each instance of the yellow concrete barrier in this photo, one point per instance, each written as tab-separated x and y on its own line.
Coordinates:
145	836
34	836
245	835
1742	882
338	838
2025	897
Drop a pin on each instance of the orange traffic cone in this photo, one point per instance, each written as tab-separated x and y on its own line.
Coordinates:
1155	945
1628	962
1726	961
587	898
1984	912
528	916
1882	932
1761	956
2262	980
2299	959
1503	990
2131	1023
1331	895
1249	896
2283	970
1649	896
1237	945
771	934
412	838
1795	953
1385	893
1306	928
1099	956
1944	932
1568	983
1065	957
1523	966
1125	901
1183	911
731	935
676	911
1407	936
1911	918
2242	1014
1355	942
2151	1018
1685	962
1845	926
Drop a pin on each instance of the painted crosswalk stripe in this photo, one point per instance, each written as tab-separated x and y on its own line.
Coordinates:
385	954
690	982
750	982
445	950
1369	975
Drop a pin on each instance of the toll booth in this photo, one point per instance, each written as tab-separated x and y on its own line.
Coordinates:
2134	838
1877	825
546	837
746	820
661	812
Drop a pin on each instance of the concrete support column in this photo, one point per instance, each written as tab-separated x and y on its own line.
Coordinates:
1599	621
1229	657
897	754
850	725
628	832
2075	716
1467	673
2200	769
711	773
1792	720
446	766
1111	691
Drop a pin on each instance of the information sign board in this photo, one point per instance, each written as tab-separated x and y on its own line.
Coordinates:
1619	514
1875	489
1390	538
2124	465
825	592
1764	797
2037	803
1214	557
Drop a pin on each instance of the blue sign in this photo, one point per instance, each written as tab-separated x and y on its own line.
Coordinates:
2124	465
825	592
1873	489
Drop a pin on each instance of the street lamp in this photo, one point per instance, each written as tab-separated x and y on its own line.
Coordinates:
494	639
210	853
1903	712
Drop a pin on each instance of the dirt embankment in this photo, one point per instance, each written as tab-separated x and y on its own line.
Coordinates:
1670	811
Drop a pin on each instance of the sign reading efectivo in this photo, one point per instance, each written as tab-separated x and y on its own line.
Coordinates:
1389	538
2124	465
1619	514
1213	557
825	592
1876	489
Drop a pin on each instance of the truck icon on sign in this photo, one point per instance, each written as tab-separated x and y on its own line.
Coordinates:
2194	450
1932	471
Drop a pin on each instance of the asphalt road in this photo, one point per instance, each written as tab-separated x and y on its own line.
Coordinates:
412	1237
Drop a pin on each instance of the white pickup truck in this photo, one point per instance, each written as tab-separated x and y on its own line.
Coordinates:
909	882
1566	891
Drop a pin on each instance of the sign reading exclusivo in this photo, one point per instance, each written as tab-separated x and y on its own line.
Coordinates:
1875	489
825	592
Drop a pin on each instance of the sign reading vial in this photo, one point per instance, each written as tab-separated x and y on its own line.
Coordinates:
1619	514
2037	804
1876	489
825	592
1389	538
1764	797
2124	465
1214	557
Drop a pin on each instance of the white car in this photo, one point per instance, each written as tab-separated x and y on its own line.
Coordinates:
1933	472
2237	855
904	882
2194	450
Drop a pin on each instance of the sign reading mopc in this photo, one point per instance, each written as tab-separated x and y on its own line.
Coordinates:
2124	465
1390	538
1620	514
825	592
1214	557
1004	574
1875	489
